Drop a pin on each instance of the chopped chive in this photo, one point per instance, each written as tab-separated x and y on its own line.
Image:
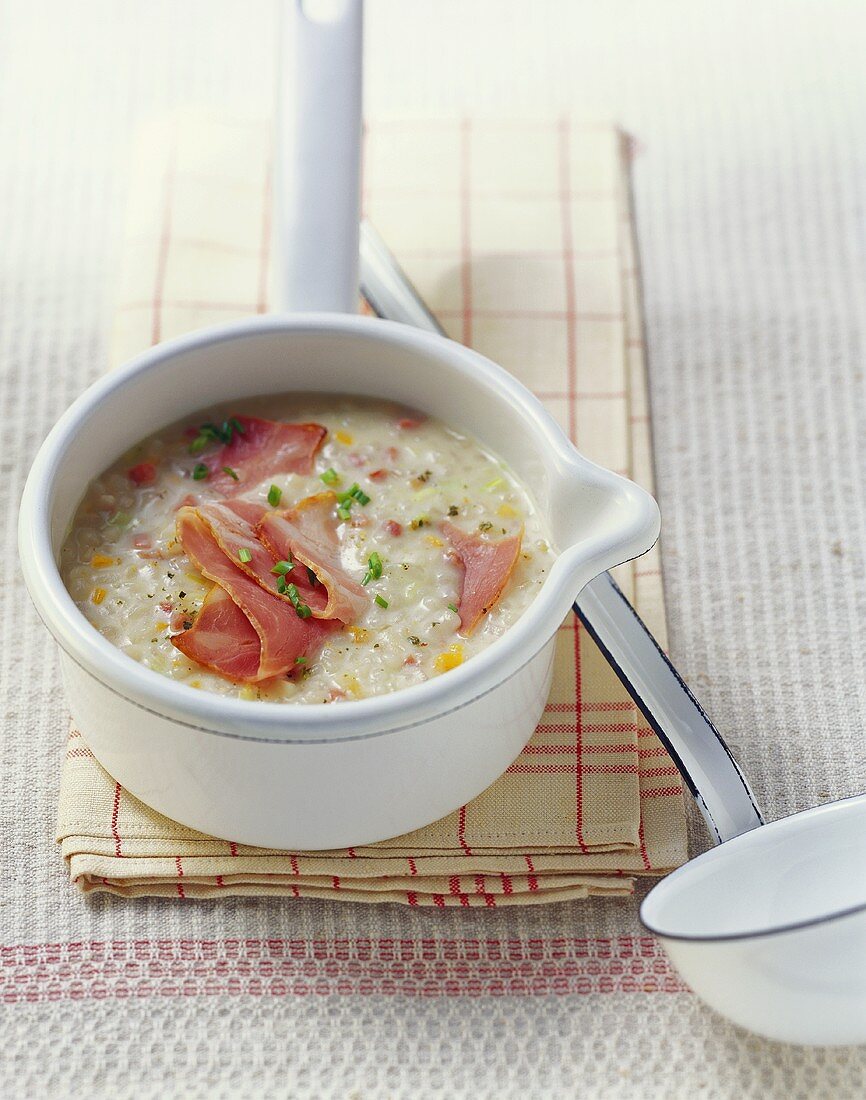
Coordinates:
345	510
375	565
274	495
330	476
361	497
283	567
452	607
281	586
198	444
492	484
301	608
368	576
349	494
300	660
232	473
381	601
236	424
244	555
200	471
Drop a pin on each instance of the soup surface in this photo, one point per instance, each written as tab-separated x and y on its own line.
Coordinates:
349	549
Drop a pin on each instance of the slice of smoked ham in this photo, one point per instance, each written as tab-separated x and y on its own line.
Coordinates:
222	638
282	634
486	568
308	532
264	448
232	525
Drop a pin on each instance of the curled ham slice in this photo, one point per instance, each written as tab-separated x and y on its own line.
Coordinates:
222	638
218	638
308	532
486	568
265	448
232	526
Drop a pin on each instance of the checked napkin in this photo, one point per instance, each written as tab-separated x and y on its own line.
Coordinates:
519	237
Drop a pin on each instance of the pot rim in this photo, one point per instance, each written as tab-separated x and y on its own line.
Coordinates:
319	722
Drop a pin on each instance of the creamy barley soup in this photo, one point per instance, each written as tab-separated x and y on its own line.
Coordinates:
305	549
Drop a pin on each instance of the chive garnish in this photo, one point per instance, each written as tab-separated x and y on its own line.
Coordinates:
365	580
198	444
345	510
375	565
244	555
232	473
281	586
274	495
302	609
381	601
330	476
283	567
452	607
300	660
492	484
200	471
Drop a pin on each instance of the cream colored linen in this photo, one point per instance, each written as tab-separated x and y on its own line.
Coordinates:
519	237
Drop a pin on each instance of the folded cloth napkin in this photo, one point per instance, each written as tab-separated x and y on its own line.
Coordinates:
519	237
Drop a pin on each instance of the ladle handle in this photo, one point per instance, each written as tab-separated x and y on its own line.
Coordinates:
695	745
318	155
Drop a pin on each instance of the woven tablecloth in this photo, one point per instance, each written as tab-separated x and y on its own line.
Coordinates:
749	182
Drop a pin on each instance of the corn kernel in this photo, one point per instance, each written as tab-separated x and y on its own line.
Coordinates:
195	683
247	692
162	626
359	634
433	540
354	687
506	511
344	438
102	561
451	658
98	595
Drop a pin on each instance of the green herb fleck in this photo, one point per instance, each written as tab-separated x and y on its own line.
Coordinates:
492	484
414	639
275	494
453	510
485	526
419	521
330	476
381	601
344	511
452	607
244	555
300	660
283	567
232	473
200	471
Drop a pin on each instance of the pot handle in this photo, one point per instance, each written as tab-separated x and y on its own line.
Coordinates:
318	155
704	760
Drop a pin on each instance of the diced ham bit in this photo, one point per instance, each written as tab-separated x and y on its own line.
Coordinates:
166	606
407	423
486	567
243	630
142	542
307	534
378	475
393	528
142	474
263	449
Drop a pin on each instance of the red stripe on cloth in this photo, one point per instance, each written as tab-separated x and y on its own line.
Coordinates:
413	870
411	897
179	865
568	708
661	792
265	242
293	862
465	230
424	967
578	743
233	848
568	273
531	880
461	831
162	254
644	854
115	810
